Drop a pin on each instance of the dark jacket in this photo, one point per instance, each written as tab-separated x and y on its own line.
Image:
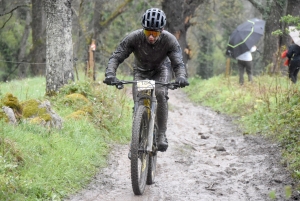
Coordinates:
293	52
148	57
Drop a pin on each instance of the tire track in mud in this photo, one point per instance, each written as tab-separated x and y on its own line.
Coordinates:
208	159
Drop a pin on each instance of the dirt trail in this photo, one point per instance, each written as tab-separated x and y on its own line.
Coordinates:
208	159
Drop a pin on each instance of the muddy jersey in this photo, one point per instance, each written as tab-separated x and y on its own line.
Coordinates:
148	57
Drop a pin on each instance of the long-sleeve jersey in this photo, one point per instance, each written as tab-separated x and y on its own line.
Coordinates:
148	57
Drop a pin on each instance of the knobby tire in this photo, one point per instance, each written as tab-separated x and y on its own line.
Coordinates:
152	159
139	159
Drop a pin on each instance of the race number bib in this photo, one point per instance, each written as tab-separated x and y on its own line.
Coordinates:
145	85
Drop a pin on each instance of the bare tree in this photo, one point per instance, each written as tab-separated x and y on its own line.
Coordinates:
180	13
99	23
20	10
59	53
272	12
38	50
23	45
9	12
77	7
293	8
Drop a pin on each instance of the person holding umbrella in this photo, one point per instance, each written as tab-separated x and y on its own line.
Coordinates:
293	54
245	63
242	43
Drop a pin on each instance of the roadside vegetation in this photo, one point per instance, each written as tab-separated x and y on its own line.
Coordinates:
39	163
269	107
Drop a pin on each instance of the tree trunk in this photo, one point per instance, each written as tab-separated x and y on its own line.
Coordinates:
293	8
59	54
97	18
181	12
2	6
203	70
76	28
38	51
272	42
273	11
23	45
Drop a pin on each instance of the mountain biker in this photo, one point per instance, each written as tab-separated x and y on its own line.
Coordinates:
155	50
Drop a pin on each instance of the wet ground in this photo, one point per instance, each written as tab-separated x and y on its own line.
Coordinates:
208	159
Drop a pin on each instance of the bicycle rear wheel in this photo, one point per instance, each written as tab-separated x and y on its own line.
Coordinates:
152	158
139	155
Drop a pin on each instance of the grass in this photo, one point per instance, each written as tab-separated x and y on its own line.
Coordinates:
38	163
29	88
269	106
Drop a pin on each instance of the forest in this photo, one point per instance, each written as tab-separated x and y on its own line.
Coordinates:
202	28
57	48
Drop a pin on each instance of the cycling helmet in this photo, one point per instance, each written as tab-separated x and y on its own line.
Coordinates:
154	18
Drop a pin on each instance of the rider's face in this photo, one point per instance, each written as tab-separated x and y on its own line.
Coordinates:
152	35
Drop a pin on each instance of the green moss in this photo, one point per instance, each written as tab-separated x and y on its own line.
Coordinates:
77	97
46	117
3	116
31	109
89	109
10	101
79	114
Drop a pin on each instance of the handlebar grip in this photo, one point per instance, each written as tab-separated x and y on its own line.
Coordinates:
119	86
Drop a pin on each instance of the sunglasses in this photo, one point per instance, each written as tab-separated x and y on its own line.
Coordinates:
151	32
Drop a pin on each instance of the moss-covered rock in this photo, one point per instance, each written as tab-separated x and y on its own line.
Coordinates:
38	112
11	101
77	98
32	109
79	114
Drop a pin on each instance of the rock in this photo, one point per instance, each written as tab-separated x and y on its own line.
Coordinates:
220	148
56	120
204	137
10	114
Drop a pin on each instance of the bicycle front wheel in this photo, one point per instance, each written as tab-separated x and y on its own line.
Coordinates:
139	155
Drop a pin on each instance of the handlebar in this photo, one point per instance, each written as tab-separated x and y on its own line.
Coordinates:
169	85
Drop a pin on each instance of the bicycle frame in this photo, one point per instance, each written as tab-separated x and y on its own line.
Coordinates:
146	86
148	89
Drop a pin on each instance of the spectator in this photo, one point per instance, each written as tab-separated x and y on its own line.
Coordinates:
245	63
293	54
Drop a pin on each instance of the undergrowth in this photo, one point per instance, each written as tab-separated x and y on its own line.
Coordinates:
269	106
38	163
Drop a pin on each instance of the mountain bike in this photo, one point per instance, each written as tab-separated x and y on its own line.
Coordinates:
143	146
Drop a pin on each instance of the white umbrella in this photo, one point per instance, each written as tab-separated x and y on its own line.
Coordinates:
295	34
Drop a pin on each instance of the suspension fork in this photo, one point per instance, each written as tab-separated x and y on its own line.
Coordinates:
153	105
